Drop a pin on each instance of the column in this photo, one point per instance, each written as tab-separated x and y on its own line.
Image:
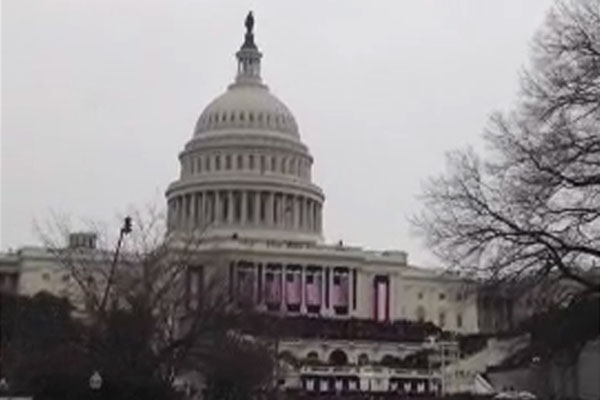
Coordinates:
200	216
244	207
193	201
207	209
301	213
230	207
282	211
276	210
182	211
217	208
309	214
257	200
269	209
306	214
295	213
320	218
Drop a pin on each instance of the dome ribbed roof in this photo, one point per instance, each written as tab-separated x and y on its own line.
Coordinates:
247	106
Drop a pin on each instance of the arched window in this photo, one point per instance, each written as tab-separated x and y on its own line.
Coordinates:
338	357
228	161
240	162
218	162
312	357
251	161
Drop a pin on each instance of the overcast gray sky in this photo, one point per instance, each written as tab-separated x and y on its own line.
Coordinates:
99	96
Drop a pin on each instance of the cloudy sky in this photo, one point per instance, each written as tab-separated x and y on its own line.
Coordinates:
99	96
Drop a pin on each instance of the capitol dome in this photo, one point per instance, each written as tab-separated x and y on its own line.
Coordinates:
247	105
245	172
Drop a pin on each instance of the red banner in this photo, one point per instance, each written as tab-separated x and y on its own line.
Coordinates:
313	288
293	285
273	287
340	290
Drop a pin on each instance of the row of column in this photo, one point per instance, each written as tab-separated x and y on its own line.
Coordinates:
200	210
320	289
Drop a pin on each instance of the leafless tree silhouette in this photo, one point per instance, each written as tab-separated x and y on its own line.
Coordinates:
531	206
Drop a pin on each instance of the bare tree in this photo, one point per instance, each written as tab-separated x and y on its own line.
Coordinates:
154	311
531	207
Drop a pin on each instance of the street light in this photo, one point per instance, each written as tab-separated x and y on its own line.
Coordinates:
125	230
95	381
432	343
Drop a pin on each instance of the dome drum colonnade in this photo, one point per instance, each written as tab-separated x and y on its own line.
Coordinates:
245	171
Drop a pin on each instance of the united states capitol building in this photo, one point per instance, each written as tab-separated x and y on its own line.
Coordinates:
246	188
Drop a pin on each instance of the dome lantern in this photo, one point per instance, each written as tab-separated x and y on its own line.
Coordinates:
248	56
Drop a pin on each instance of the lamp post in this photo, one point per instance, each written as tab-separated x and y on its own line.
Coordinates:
95	381
432	343
125	229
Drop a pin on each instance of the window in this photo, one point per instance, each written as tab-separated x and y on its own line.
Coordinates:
228	161
310	279
218	162
442	319
46	276
251	161
240	162
207	166
442	296
420	295
273	164
263	164
459	321
199	166
459	296
420	314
